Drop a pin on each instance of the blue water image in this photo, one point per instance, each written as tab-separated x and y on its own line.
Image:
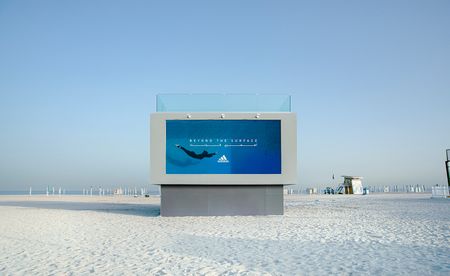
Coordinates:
223	147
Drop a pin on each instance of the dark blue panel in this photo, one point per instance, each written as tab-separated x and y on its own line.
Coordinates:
223	147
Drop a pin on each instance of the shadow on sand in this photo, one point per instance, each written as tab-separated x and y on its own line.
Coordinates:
146	210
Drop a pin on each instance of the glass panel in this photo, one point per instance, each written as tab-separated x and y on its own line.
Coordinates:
223	103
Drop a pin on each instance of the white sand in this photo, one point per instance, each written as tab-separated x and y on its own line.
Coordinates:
376	234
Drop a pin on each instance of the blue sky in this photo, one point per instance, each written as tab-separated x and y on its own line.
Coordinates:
370	82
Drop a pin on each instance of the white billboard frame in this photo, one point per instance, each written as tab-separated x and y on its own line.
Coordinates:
158	174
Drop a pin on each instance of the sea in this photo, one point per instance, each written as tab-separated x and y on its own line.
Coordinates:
33	192
38	192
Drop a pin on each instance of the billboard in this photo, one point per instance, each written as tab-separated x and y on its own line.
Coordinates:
223	147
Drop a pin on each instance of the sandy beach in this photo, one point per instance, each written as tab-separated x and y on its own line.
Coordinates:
394	234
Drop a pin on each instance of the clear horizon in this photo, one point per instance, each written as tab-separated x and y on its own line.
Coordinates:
369	80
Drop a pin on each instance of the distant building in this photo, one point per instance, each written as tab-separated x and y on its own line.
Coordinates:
353	185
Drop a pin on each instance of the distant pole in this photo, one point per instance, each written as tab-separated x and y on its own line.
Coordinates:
30	190
333	184
447	167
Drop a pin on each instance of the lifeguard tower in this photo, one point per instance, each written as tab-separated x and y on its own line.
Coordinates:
352	185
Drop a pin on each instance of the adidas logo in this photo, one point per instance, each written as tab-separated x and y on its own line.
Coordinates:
223	159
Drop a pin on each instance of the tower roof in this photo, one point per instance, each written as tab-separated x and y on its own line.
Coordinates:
352	177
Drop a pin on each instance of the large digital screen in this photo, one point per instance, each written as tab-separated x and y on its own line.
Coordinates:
223	147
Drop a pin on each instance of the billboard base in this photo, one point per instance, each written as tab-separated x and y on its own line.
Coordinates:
221	200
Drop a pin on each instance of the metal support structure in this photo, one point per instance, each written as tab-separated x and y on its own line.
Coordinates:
447	167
